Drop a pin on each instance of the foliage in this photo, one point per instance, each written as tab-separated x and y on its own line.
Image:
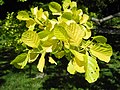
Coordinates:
1	2
10	30
65	31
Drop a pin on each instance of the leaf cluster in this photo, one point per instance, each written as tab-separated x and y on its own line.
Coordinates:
68	34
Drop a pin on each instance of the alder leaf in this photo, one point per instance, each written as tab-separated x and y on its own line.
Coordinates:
55	7
78	65
20	61
41	62
70	68
23	15
100	39
78	55
75	33
33	55
60	33
92	69
102	51
84	19
52	61
31	38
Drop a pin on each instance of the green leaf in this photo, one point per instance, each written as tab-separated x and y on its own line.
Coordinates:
31	38
52	61
67	15
70	68
73	4
30	23
23	15
41	62
78	55
100	39
60	33
33	55
55	7
43	34
92	69
75	33
102	51
59	54
66	4
20	61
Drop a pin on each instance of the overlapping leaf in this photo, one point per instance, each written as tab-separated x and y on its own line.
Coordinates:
41	62
55	7
75	33
92	69
52	61
20	61
31	38
70	68
102	51
23	15
33	55
100	39
60	33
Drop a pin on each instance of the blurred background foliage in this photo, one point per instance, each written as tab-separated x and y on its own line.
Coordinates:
56	77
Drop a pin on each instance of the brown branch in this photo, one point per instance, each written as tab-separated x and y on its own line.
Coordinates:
99	21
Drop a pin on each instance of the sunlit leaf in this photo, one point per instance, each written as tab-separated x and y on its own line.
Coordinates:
30	23
60	33
75	33
87	32
92	69
33	55
55	7
41	62
100	39
84	19
20	61
102	51
23	15
34	10
78	55
78	65
31	38
73	4
52	61
66	4
70	68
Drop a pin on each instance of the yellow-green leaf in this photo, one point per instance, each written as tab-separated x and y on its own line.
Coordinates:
23	15
84	19
70	68
20	61
41	62
102	51
78	65
92	69
60	33
78	55
76	33
52	61
100	39
59	54
33	55
31	38
55	7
